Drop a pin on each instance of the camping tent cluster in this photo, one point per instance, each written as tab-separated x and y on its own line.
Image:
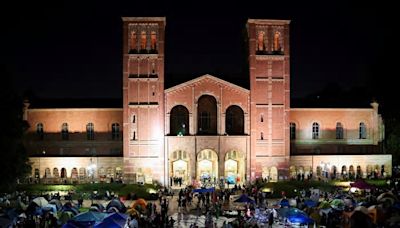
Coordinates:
41	212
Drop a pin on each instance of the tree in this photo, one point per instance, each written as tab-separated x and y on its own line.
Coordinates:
14	162
392	142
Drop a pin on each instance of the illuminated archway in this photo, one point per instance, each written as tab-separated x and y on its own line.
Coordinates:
74	173
179	166
292	171
234	166
273	174
265	173
207	165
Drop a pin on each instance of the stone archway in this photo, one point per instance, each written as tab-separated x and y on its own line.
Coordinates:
179	168
234	167
207	165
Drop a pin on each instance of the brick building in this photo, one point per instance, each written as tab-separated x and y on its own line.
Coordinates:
206	127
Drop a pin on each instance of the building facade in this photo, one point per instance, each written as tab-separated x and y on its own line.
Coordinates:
205	128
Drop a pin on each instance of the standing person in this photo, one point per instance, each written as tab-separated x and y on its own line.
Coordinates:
270	219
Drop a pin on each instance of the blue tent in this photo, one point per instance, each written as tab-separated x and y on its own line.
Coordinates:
118	218
284	203
231	180
204	190
109	224
310	203
90	216
70	225
244	199
300	218
295	215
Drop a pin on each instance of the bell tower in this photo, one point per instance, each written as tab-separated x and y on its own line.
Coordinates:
143	99
269	97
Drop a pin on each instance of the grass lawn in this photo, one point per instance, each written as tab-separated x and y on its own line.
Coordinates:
141	191
292	187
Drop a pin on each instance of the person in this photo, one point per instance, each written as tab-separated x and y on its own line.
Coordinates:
80	202
171	222
270	219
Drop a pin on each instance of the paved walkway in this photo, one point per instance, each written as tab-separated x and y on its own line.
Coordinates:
183	217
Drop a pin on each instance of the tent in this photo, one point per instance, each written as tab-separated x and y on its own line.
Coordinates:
387	196
89	216
6	223
117	204
97	207
295	215
69	207
109	224
284	203
140	202
115	219
310	203
337	204
57	203
50	207
204	190
244	199
75	224
65	216
361	184
40	201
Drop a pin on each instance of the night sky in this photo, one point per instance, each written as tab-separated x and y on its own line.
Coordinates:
74	49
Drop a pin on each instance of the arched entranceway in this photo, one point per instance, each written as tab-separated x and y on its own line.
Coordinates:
234	167
207	165
270	174
179	168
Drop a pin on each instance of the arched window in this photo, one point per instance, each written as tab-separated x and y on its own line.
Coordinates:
261	44
133	41
82	173
115	131
37	173
262	136
359	173
64	131
292	131
143	41
110	172
40	131
277	44
315	130
118	172
74	173
153	39
179	121
207	115
102	172
339	130
47	173
344	170
63	172
90	131
234	121
56	174
363	131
